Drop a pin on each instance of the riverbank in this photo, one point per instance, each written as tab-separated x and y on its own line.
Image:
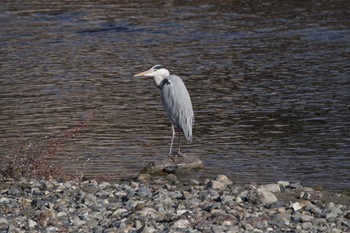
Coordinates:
149	204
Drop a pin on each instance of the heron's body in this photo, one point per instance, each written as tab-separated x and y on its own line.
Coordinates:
177	104
176	101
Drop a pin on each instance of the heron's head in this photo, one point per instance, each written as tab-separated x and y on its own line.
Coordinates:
155	71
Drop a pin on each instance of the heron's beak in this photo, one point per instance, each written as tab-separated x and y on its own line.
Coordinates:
144	73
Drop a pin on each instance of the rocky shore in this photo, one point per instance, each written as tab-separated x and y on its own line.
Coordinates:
164	204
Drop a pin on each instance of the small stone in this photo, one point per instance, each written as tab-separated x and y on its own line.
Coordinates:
347	216
261	224
172	178
247	226
120	213
90	199
270	187
256	196
224	179
194	182
61	214
182	212
302	218
51	229
182	224
283	184
282	219
3	223
15	191
306	225
144	192
332	211
148	211
4	200
104	185
77	221
170	169
295	185
214	184
31	223
305	196
134	185
144	178
266	197
296	206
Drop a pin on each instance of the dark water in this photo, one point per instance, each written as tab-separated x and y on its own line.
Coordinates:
270	84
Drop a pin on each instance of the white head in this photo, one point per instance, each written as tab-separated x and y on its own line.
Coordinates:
157	72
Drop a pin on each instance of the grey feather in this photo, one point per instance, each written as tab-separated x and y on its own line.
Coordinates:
177	104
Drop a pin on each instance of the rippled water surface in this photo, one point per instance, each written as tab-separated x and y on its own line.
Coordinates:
270	84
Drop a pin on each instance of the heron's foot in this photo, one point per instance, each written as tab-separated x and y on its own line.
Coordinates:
176	154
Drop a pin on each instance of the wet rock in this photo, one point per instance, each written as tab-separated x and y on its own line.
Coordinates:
173	162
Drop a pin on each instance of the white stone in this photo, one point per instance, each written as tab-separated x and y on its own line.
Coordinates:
223	179
148	212
270	188
181	212
182	224
4	200
3	223
266	197
31	223
283	183
119	212
296	206
214	184
61	214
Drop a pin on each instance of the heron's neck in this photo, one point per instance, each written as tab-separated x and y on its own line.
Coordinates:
157	80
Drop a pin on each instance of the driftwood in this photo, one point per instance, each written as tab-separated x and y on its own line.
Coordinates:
172	163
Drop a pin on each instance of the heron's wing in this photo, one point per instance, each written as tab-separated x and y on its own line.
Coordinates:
177	104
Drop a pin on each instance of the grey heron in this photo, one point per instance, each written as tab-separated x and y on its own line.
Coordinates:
176	101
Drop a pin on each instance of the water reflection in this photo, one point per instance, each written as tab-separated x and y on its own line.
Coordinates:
269	84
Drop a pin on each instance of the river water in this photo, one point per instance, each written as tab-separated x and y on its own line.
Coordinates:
269	82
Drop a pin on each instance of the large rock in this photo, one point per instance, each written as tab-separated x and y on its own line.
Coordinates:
172	163
258	196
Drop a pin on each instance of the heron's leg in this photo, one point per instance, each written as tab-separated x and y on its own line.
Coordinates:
172	139
178	150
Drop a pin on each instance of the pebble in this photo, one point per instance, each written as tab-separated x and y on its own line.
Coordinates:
270	188
151	204
214	184
3	223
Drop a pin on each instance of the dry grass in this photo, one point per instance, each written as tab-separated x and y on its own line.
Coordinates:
35	158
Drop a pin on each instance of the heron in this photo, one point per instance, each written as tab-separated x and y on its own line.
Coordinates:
176	101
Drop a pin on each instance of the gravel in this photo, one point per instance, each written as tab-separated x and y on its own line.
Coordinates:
164	204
